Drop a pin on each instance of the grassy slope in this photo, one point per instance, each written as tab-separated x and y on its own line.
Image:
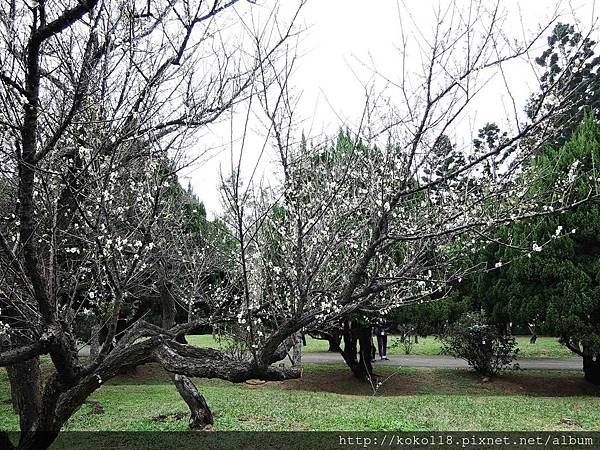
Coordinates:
545	347
438	400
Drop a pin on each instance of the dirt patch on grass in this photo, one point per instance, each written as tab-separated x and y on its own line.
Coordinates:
151	373
165	417
343	382
538	385
569	422
95	407
339	380
443	382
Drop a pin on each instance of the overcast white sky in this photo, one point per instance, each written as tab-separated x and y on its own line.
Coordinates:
343	32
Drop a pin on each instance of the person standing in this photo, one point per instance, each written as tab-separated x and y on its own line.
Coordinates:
373	328
380	332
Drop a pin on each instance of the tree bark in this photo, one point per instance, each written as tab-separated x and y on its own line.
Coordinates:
334	343
358	359
25	382
200	414
95	341
297	349
365	341
350	346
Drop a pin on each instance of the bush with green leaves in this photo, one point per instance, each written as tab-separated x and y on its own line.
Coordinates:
484	346
555	287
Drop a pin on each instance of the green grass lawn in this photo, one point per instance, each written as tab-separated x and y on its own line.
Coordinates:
545	347
328	398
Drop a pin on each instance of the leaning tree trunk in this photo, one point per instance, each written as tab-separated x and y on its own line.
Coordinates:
200	414
591	368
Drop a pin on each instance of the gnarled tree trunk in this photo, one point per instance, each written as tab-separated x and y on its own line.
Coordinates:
200	414
25	382
357	352
297	349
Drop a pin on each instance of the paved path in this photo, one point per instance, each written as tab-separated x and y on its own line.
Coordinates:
445	361
429	361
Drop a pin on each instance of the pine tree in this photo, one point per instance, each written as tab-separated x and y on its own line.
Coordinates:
558	283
